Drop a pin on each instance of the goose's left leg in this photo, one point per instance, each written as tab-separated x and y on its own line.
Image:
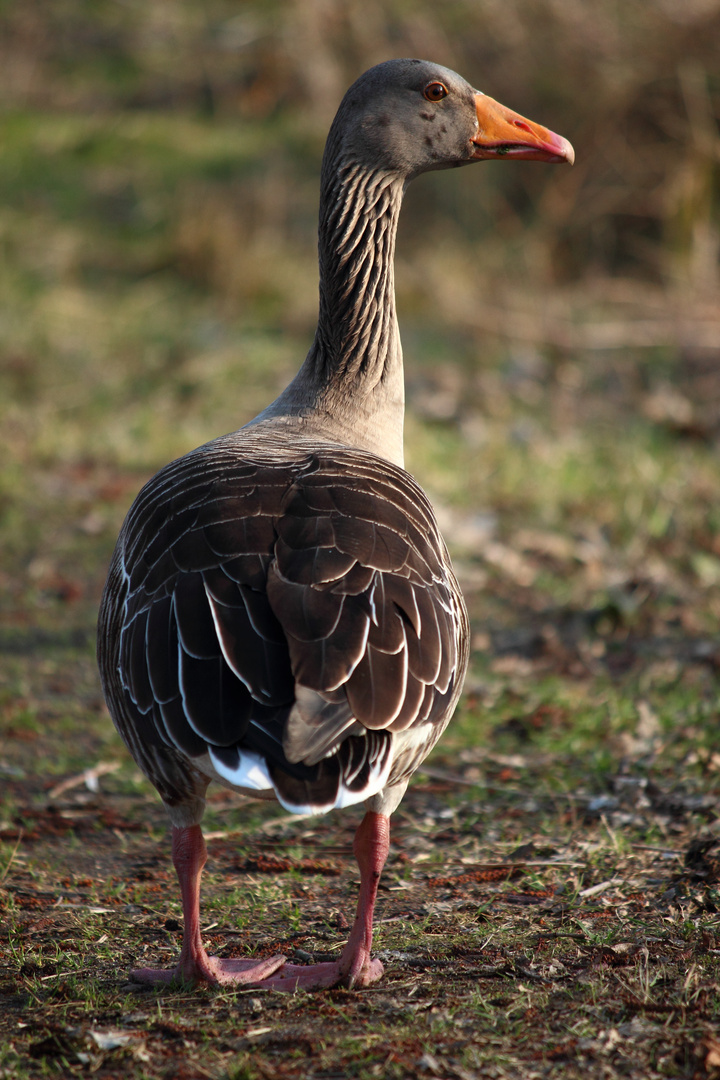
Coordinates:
194	965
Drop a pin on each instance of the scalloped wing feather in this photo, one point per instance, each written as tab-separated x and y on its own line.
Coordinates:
296	607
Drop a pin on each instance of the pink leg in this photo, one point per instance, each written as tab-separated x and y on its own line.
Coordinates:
355	968
189	857
371	846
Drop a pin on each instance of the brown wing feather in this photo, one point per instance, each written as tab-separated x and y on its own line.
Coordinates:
133	658
161	649
393	646
376	688
193	617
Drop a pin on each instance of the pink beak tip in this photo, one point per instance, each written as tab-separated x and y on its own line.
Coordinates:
566	149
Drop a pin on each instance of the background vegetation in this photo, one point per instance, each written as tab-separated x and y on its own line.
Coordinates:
553	882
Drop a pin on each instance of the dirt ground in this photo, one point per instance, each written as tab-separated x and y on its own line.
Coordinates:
542	914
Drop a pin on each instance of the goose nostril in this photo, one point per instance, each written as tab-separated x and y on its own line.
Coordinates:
523	125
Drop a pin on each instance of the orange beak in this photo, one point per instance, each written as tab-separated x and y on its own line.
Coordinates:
504	133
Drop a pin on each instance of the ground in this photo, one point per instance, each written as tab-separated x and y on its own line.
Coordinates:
549	907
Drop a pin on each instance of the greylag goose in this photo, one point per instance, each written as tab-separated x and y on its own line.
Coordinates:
281	614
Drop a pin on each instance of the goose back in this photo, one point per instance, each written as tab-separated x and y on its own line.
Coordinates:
282	615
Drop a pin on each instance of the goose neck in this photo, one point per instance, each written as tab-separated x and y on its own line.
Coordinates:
357	340
350	388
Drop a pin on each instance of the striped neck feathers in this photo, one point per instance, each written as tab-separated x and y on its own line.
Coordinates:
350	388
357	344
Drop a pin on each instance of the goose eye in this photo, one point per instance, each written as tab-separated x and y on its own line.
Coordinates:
434	91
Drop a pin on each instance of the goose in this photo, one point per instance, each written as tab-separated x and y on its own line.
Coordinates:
281	614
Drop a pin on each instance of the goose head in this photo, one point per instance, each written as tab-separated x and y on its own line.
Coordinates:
411	116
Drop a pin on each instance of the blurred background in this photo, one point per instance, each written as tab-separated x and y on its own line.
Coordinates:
158	195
